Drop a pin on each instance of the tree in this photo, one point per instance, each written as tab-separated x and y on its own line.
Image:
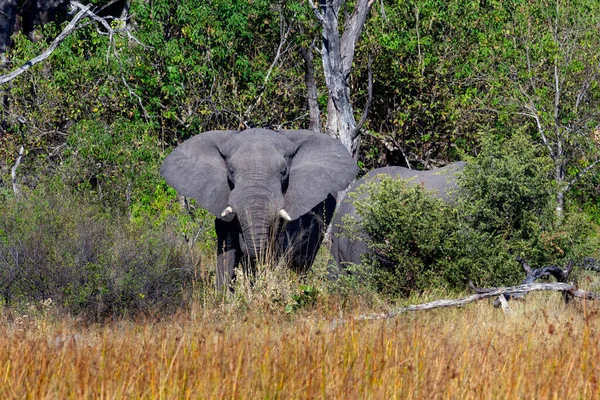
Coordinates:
552	66
337	53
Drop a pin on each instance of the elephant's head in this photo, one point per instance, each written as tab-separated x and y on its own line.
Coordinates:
259	176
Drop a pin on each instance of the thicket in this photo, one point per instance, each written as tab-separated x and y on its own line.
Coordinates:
64	248
504	207
451	80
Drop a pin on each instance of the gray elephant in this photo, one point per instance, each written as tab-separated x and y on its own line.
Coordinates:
348	248
262	185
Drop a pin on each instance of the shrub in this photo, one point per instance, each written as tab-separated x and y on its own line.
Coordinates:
417	242
56	244
504	208
507	191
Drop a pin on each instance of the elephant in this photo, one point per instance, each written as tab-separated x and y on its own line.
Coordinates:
264	187
349	248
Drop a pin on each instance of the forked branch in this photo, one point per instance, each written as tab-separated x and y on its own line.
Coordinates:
83	13
528	285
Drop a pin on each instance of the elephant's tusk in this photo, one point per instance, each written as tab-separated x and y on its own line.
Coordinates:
227	211
283	214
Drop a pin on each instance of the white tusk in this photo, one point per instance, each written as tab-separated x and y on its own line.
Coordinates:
227	211
283	214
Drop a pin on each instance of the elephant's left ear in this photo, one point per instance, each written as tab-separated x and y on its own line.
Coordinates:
321	165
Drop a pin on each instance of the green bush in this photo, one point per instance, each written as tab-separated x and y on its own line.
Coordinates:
418	242
59	245
504	208
507	191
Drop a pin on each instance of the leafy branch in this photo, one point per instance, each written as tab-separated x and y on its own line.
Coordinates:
103	27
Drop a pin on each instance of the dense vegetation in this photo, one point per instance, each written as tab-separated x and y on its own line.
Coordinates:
503	207
509	85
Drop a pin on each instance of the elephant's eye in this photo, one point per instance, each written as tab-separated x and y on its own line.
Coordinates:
230	172
284	171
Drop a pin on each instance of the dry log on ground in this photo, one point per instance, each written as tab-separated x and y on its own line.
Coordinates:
563	287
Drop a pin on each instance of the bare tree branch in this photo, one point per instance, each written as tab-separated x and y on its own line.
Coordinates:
369	96
561	275
13	171
111	32
314	123
533	113
72	26
318	14
352	30
581	174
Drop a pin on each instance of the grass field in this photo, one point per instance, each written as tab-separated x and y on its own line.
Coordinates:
541	349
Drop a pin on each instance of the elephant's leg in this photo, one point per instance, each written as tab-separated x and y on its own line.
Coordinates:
346	249
228	252
304	235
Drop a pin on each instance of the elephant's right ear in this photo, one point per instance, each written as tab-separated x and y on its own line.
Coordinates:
197	169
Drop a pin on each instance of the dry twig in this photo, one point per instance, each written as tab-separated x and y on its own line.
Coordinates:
13	171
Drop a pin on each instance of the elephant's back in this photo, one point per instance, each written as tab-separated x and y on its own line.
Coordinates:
440	180
347	247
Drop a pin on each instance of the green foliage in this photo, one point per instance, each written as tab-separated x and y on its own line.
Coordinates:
507	188
57	245
119	165
508	192
417	242
306	297
432	63
119	162
504	208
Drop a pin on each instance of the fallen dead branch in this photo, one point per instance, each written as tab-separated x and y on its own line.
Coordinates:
489	293
504	293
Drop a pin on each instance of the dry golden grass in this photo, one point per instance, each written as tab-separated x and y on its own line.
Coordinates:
542	349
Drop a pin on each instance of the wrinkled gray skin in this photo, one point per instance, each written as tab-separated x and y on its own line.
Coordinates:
348	249
247	178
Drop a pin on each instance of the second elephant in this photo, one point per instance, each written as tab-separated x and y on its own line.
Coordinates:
349	248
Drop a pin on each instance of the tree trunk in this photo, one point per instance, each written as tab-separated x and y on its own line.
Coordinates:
311	89
559	177
338	53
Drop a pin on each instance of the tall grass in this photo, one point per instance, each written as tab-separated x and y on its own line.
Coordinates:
183	339
542	349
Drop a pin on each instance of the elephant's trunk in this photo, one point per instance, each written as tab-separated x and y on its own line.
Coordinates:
256	220
256	238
